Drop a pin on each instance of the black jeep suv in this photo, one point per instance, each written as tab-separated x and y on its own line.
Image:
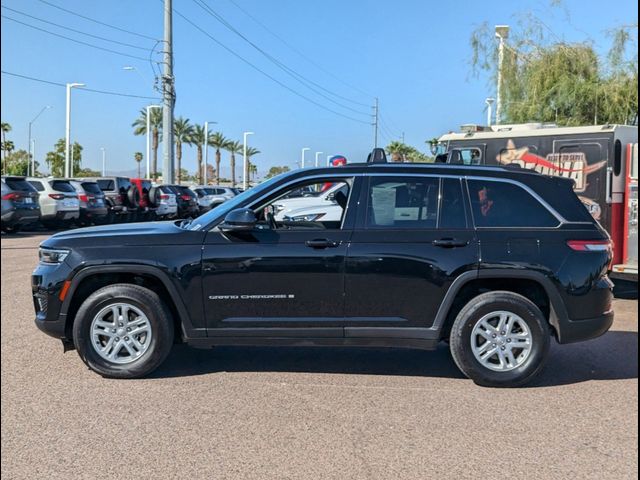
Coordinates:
494	260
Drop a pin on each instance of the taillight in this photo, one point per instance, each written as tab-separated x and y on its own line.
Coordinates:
164	197
84	198
11	196
185	197
591	245
56	196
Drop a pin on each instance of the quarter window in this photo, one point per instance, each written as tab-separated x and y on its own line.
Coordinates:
501	204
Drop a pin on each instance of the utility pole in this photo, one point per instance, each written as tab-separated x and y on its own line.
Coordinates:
33	157
375	124
104	161
168	96
402	137
206	152
502	33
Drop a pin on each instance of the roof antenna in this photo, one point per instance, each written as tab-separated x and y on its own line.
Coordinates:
377	155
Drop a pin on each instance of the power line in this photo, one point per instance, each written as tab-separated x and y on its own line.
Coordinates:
283	85
58	84
74	40
312	62
97	21
295	75
76	31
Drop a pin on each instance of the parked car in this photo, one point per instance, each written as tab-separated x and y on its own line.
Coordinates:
494	260
227	192
167	203
148	198
59	203
120	197
207	197
19	204
187	201
318	198
93	208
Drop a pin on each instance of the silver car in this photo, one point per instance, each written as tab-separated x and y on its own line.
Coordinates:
167	205
208	197
58	201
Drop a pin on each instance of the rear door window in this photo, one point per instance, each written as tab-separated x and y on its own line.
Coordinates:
502	204
91	187
395	202
62	186
106	184
37	185
18	184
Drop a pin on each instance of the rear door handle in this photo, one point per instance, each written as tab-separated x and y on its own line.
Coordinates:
321	243
450	243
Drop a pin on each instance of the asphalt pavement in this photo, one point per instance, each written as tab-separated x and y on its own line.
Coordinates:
295	413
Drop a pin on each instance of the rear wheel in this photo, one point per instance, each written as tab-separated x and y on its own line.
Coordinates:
123	331
11	228
500	339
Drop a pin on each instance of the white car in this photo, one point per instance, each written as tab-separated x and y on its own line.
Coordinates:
284	207
318	213
208	197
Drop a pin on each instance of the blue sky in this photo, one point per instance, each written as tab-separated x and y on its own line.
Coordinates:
412	54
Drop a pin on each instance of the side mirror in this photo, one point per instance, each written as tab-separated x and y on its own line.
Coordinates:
239	220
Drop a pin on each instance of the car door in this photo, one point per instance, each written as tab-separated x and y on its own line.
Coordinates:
287	281
412	239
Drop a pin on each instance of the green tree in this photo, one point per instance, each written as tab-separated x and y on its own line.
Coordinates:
6	128
140	128
398	151
55	158
138	158
198	137
182	133
233	147
545	79
273	171
87	172
17	163
219	142
253	169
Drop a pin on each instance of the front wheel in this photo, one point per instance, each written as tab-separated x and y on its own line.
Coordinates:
500	339
123	331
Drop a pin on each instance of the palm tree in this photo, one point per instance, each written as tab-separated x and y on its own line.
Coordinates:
182	133
140	128
218	141
6	128
253	169
233	147
398	151
138	158
198	137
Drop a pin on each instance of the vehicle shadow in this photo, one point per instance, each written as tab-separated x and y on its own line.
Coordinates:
625	289
614	356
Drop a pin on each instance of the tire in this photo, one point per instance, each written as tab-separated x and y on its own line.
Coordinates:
154	196
467	344
159	338
12	228
133	197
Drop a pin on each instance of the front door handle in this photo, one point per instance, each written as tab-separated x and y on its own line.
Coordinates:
321	243
450	243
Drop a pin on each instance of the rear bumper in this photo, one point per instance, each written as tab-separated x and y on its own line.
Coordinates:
62	215
21	215
580	330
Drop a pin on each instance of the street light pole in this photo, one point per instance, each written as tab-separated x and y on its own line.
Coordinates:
245	160
33	158
104	161
489	101
502	33
303	151
149	107
33	163
317	157
328	158
67	151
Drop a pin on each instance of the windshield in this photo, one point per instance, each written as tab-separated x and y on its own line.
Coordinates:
222	209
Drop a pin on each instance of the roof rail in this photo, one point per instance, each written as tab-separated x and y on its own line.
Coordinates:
377	155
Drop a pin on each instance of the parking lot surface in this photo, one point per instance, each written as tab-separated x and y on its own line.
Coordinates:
261	413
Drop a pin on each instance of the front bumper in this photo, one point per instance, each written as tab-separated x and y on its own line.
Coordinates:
46	284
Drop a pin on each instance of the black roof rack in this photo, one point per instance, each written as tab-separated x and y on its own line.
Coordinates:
377	155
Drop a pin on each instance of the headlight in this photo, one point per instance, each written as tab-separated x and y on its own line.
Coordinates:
312	217
51	256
